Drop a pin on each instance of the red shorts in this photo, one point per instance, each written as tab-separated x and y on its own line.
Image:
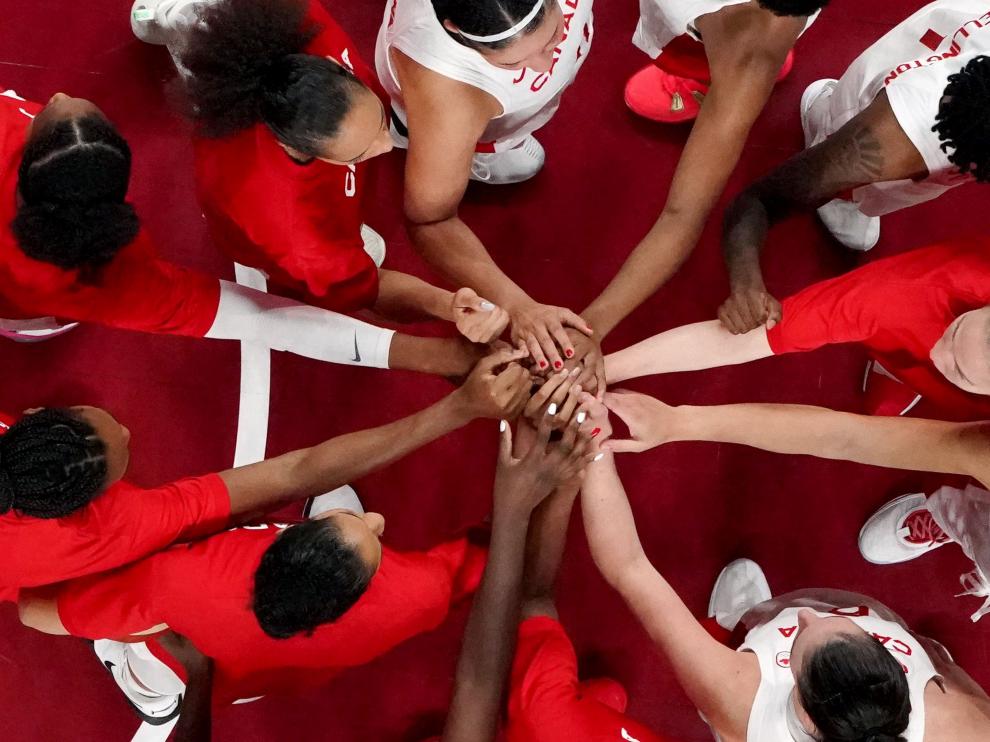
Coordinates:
546	700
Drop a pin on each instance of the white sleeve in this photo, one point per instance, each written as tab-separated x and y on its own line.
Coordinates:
283	324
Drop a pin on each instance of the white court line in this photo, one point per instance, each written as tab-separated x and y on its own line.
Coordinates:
252	433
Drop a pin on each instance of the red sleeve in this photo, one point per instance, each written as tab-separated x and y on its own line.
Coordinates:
120	526
545	668
333	41
140	291
840	310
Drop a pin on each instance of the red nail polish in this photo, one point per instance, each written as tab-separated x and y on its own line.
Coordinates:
557	364
543	364
569	353
595	432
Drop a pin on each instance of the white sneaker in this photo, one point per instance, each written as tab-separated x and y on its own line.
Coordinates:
161	22
153	709
814	105
374	244
900	531
342	498
849	225
514	166
740	586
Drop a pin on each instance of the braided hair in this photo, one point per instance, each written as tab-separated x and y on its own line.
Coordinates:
963	120
52	463
855	691
246	65
487	18
73	181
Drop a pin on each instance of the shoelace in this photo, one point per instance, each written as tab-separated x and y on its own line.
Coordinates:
922	529
975	584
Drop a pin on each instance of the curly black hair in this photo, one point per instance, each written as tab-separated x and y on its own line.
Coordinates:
246	64
855	691
488	18
963	120
308	577
52	463
73	180
793	7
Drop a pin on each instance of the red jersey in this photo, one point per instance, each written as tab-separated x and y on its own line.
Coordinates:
897	307
122	524
299	223
136	290
203	591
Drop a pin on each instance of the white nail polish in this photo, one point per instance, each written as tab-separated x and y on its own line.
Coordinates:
599	457
502	425
552	409
487	306
580	417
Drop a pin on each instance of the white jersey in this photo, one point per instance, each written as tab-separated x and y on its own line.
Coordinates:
912	63
662	21
528	99
771	720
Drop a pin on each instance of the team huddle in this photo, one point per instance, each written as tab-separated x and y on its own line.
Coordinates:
195	598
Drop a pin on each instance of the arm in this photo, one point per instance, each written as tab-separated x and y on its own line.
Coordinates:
489	639
687	348
870	148
741	84
195	721
895	442
270	484
446	120
714	677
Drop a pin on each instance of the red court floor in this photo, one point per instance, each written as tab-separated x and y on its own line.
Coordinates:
561	236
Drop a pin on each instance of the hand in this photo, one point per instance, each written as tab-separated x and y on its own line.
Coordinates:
498	387
525	482
184	651
477	319
650	421
562	392
598	423
748	308
540	328
588	356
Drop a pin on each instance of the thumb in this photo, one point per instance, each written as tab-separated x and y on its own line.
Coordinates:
504	442
623	445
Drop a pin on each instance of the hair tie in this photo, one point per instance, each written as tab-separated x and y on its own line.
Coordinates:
508	33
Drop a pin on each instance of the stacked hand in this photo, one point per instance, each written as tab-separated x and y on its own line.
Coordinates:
541	329
748	308
651	422
477	319
498	386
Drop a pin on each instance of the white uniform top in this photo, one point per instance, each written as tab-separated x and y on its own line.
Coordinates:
913	62
771	643
662	21
528	99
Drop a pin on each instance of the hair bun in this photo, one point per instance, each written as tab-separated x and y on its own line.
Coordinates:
75	236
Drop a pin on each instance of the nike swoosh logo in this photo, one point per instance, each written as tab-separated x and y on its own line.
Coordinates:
357	353
110	665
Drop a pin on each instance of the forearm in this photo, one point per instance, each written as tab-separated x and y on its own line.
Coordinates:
687	348
894	442
406	298
545	546
195	722
460	257
608	521
450	357
744	231
489	639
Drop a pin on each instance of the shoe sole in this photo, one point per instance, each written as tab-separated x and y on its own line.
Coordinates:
811	92
876	516
721	577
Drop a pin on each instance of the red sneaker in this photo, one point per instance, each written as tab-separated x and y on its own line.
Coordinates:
788	65
606	691
660	96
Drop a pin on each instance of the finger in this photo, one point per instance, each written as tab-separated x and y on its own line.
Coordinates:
536	353
505	442
542	397
600	376
587	378
562	390
618	445
498	358
735	324
570	403
774	312
749	313
511	378
724	316
549	348
542	435
569	318
562	338
489	327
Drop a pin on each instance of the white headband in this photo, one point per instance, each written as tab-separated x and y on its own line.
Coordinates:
508	33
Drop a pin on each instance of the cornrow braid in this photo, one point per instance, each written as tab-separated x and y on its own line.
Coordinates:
963	121
52	463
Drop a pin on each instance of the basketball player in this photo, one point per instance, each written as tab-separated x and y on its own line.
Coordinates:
923	315
903	125
279	608
716	60
814	664
72	249
65	510
288	117
470	81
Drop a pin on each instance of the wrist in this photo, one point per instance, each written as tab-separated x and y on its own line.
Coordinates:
600	320
443	306
458	408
